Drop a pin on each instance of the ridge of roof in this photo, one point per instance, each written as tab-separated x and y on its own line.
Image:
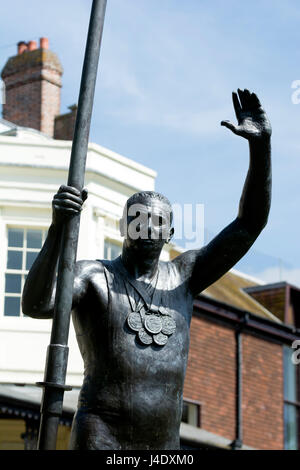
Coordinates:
246	276
272	285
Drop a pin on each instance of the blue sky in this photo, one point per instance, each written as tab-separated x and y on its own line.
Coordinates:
167	70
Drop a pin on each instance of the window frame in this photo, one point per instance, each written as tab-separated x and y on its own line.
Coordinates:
291	403
23	271
15	323
198	404
113	242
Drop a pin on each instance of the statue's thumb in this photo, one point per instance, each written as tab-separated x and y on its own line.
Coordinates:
84	194
229	125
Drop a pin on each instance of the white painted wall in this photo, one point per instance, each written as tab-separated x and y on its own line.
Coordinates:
32	167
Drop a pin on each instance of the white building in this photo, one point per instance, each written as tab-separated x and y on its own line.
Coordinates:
32	167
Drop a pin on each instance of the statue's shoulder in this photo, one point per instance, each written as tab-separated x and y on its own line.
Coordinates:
87	268
170	273
183	264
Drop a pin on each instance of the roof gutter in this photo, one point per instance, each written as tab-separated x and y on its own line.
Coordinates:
233	316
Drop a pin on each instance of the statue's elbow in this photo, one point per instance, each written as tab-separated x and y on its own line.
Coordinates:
31	309
27	308
257	227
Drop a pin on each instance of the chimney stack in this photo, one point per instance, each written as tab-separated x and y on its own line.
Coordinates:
44	43
32	82
64	125
22	47
32	45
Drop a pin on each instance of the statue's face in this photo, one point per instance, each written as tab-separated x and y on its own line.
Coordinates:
148	224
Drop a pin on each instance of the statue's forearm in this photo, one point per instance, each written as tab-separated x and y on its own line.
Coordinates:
39	285
256	197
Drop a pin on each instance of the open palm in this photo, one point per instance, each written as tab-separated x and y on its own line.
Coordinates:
253	123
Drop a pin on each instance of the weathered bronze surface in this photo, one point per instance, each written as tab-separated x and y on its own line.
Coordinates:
132	315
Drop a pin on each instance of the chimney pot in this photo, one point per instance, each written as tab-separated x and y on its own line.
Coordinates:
32	87
32	45
22	47
44	43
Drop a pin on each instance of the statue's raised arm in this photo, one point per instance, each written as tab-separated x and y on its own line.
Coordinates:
208	264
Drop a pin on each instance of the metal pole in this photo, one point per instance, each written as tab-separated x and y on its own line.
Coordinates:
57	353
238	441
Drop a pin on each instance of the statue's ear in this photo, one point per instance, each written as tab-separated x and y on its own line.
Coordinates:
171	235
121	225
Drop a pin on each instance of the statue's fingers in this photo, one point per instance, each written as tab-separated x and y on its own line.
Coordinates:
255	101
242	99
230	126
247	98
68	204
65	210
70	189
236	105
68	195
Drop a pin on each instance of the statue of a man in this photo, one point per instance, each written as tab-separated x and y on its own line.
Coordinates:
132	315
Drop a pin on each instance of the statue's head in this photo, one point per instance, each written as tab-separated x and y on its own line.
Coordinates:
147	221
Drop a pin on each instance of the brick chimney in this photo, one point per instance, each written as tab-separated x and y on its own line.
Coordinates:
64	124
32	82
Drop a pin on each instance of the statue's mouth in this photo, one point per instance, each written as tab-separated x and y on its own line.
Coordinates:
147	241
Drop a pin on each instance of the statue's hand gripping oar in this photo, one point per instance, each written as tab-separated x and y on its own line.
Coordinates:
57	353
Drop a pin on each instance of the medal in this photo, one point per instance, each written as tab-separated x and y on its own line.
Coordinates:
134	321
144	337
168	326
153	324
160	339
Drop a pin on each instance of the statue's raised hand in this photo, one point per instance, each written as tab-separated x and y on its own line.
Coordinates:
253	123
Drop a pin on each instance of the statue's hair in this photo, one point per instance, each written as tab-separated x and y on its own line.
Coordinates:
137	197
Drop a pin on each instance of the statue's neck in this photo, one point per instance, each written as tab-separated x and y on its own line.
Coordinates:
143	266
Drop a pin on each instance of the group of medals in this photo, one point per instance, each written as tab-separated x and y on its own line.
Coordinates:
152	323
152	327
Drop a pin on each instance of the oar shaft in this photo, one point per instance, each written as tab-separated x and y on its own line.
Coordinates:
57	354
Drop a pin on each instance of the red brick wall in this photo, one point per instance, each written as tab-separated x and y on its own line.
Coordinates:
22	105
210	379
262	393
33	99
50	101
210	376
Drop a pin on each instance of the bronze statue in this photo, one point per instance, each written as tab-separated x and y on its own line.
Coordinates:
132	315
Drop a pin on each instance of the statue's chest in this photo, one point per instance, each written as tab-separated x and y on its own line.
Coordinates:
148	316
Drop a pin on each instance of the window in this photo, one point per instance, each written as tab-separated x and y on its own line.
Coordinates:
23	247
111	249
191	413
291	401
